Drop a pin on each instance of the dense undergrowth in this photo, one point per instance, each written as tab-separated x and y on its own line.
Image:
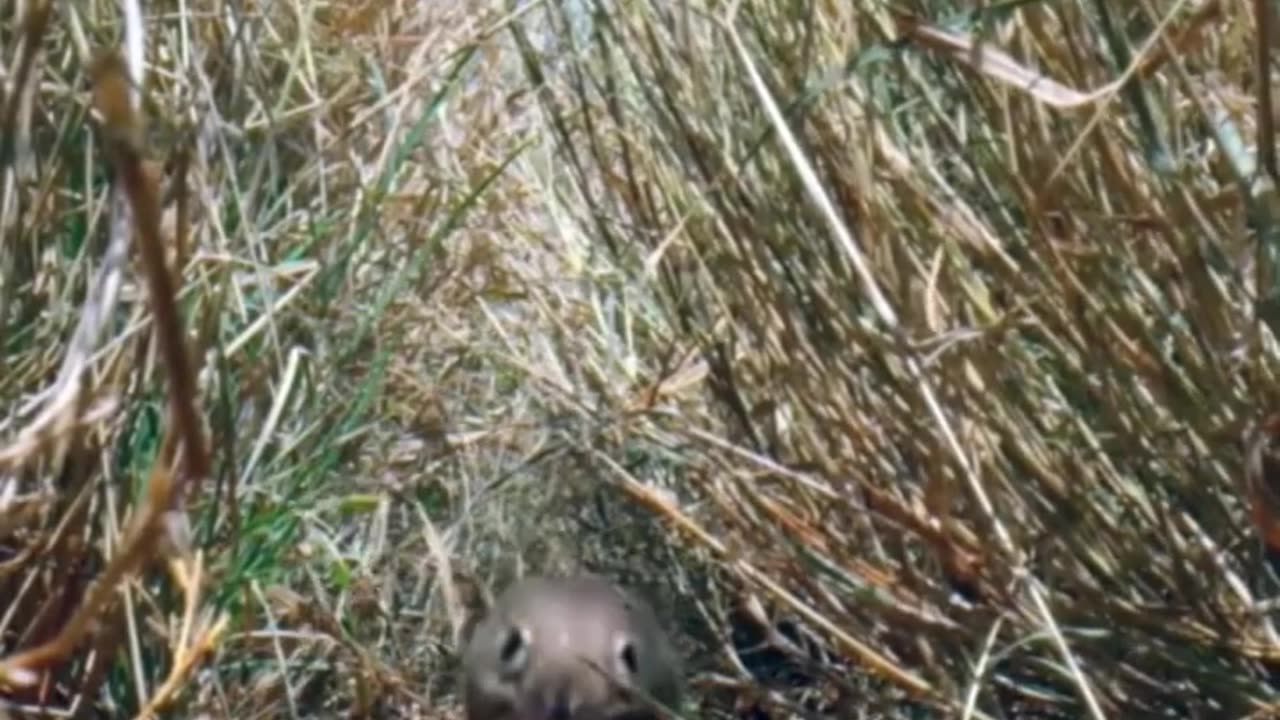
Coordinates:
931	347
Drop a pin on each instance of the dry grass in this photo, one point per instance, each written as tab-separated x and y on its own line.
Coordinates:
937	371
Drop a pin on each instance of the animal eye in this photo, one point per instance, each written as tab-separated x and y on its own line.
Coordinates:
628	657
514	652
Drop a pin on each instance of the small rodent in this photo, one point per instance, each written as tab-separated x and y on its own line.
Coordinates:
531	657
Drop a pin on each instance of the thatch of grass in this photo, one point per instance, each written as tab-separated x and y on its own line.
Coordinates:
983	345
317	166
942	370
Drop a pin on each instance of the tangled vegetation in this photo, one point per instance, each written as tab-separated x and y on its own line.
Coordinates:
917	358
